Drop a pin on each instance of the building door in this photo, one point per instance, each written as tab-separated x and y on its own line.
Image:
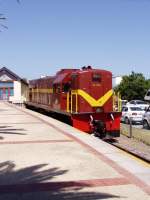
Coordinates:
1	93
6	90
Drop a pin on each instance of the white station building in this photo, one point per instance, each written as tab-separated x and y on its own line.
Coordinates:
116	80
12	88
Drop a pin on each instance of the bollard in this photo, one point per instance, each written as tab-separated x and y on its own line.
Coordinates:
130	131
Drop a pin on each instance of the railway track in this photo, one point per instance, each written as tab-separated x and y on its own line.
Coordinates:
138	152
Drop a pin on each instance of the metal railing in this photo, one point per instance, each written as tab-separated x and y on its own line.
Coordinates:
70	101
117	103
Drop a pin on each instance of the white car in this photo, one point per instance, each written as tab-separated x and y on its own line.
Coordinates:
133	113
142	104
147	96
146	119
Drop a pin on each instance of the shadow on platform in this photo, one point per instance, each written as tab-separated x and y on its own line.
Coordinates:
33	183
9	130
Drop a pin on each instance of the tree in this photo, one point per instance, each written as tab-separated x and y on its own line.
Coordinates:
2	18
133	86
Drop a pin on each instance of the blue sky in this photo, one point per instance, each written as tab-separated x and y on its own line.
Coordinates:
44	36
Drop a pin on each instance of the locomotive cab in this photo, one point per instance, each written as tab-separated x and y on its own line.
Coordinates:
92	98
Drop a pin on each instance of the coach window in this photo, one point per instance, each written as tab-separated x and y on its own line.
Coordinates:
56	88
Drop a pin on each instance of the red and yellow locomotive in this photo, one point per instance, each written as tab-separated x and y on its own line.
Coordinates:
85	95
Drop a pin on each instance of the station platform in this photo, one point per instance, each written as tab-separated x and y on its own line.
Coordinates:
42	158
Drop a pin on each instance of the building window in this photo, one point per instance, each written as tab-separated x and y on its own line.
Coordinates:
11	92
6	84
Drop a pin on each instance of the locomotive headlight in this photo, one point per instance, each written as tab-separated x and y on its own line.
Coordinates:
99	110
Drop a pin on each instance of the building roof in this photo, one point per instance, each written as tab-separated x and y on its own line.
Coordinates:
11	75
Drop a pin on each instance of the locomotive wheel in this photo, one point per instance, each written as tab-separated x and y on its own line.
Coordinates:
100	135
100	129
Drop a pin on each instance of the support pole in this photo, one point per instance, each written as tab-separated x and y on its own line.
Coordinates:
130	129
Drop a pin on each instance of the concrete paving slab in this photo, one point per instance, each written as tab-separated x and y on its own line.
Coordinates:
72	158
128	161
55	161
132	164
145	177
12	119
27	132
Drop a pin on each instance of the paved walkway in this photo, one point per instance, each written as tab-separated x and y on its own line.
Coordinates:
42	158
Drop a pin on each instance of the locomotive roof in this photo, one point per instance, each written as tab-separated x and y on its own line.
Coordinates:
63	74
43	78
66	70
94	70
60	78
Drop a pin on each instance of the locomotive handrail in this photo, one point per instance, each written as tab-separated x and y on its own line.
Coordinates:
119	102
74	92
117	105
70	101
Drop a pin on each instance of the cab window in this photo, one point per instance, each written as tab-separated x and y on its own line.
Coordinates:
74	81
96	77
66	87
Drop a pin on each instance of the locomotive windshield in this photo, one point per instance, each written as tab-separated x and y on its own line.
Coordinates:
74	81
96	77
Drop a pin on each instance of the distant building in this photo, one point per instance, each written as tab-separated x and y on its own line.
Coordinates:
116	80
12	87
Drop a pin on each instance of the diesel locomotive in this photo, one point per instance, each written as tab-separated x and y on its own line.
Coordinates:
84	95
